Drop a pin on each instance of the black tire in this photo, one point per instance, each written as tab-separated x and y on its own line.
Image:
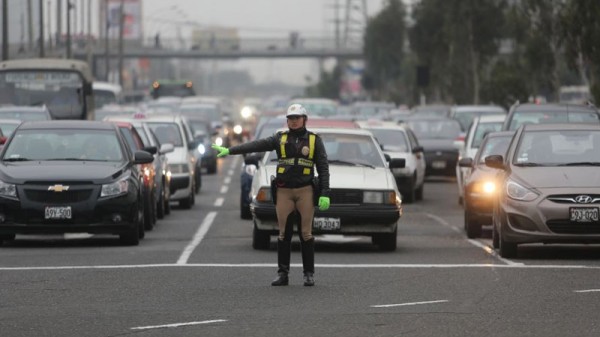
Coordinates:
387	242
472	227
160	205
261	240
132	236
245	212
495	238
167	201
149	211
198	181
419	191
507	249
408	193
7	237
189	201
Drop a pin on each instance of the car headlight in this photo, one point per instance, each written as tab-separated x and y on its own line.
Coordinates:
8	190
201	149
238	129
219	141
518	192
250	170
246	112
485	187
380	197
117	188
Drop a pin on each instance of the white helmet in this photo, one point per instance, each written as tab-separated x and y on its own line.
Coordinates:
296	110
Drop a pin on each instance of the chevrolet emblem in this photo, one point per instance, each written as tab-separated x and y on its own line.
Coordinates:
58	188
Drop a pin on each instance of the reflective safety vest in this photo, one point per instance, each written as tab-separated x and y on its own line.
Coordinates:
307	163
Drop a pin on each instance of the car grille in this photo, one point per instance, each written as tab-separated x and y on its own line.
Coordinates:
346	196
568	227
58	197
572	198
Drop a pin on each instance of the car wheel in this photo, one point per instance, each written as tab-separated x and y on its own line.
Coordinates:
198	182
189	201
472	227
495	238
507	249
245	212
6	237
167	201
148	211
387	242
419	191
160	205
132	236
261	240
409	191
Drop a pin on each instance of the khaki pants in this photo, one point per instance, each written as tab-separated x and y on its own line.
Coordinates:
291	199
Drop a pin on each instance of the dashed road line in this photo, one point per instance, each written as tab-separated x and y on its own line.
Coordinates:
219	202
407	304
227	180
588	291
204	227
224	189
176	325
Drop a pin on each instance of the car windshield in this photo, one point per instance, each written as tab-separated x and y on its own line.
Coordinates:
435	129
64	144
8	128
550	117
104	97
482	130
24	114
208	112
167	133
392	140
322	109
348	150
557	148
494	146
466	117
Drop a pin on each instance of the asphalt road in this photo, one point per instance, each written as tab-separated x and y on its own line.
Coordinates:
196	274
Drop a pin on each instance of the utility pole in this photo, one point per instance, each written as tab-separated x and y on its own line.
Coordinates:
4	30
69	7
88	40
41	17
29	25
58	38
121	31
106	41
49	19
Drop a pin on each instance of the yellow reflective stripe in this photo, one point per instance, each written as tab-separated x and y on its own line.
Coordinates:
282	144
306	171
305	162
289	161
281	170
311	145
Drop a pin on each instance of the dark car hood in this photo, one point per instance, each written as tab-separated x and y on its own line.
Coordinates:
549	177
96	172
437	144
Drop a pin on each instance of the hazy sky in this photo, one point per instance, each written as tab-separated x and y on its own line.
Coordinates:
254	18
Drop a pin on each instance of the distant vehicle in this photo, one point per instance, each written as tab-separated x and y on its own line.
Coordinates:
465	114
480	187
107	93
431	110
548	187
178	88
372	110
574	94
63	86
71	177
162	105
25	113
115	110
206	156
550	113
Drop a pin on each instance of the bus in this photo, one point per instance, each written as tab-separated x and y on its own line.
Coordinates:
177	88
63	86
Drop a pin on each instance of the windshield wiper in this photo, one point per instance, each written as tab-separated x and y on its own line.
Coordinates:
582	163
344	162
17	159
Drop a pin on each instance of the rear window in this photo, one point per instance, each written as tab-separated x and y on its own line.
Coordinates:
167	133
551	117
392	140
482	130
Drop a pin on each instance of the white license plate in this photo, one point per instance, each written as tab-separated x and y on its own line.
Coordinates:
438	164
326	224
584	214
58	212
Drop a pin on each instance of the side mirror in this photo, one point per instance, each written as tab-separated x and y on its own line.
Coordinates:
495	161
465	162
417	149
142	157
387	157
192	145
397	163
166	148
151	149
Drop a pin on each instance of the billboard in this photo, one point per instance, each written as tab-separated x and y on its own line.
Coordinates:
132	18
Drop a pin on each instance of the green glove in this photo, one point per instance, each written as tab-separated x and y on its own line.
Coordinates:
323	203
223	151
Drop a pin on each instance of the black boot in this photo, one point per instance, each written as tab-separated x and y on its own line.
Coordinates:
283	263
308	261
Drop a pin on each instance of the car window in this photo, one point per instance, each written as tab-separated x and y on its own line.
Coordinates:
24	115
483	129
167	133
8	128
494	146
549	117
412	139
435	128
392	140
64	144
466	117
143	135
551	148
133	146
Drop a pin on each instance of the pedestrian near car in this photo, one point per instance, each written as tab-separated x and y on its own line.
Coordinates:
299	153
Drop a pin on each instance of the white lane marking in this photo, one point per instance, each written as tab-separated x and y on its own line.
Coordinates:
297	265
230	172
490	251
224	189
407	304
588	291
176	325
234	162
219	202
204	227
227	180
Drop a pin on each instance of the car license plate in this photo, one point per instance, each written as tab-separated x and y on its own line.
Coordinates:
584	214
439	164
326	224
58	212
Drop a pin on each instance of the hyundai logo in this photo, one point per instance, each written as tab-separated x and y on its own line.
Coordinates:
583	199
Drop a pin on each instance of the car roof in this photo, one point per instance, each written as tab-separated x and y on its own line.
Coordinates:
478	108
162	118
532	107
500	134
491	118
560	126
377	124
67	124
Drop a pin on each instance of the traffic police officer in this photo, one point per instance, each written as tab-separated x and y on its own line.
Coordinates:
299	152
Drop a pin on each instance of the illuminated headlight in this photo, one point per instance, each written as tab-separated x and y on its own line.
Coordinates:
246	112
178	168
116	188
237	129
201	148
8	190
381	197
219	141
147	172
485	187
518	192
250	170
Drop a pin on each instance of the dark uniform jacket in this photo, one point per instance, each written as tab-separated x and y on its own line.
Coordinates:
297	162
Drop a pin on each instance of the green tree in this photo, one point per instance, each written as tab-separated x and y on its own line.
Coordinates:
384	49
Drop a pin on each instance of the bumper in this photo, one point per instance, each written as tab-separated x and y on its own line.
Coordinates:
180	186
354	220
441	164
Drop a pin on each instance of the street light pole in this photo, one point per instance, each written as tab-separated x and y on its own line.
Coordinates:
42	51
121	31
4	30
69	7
